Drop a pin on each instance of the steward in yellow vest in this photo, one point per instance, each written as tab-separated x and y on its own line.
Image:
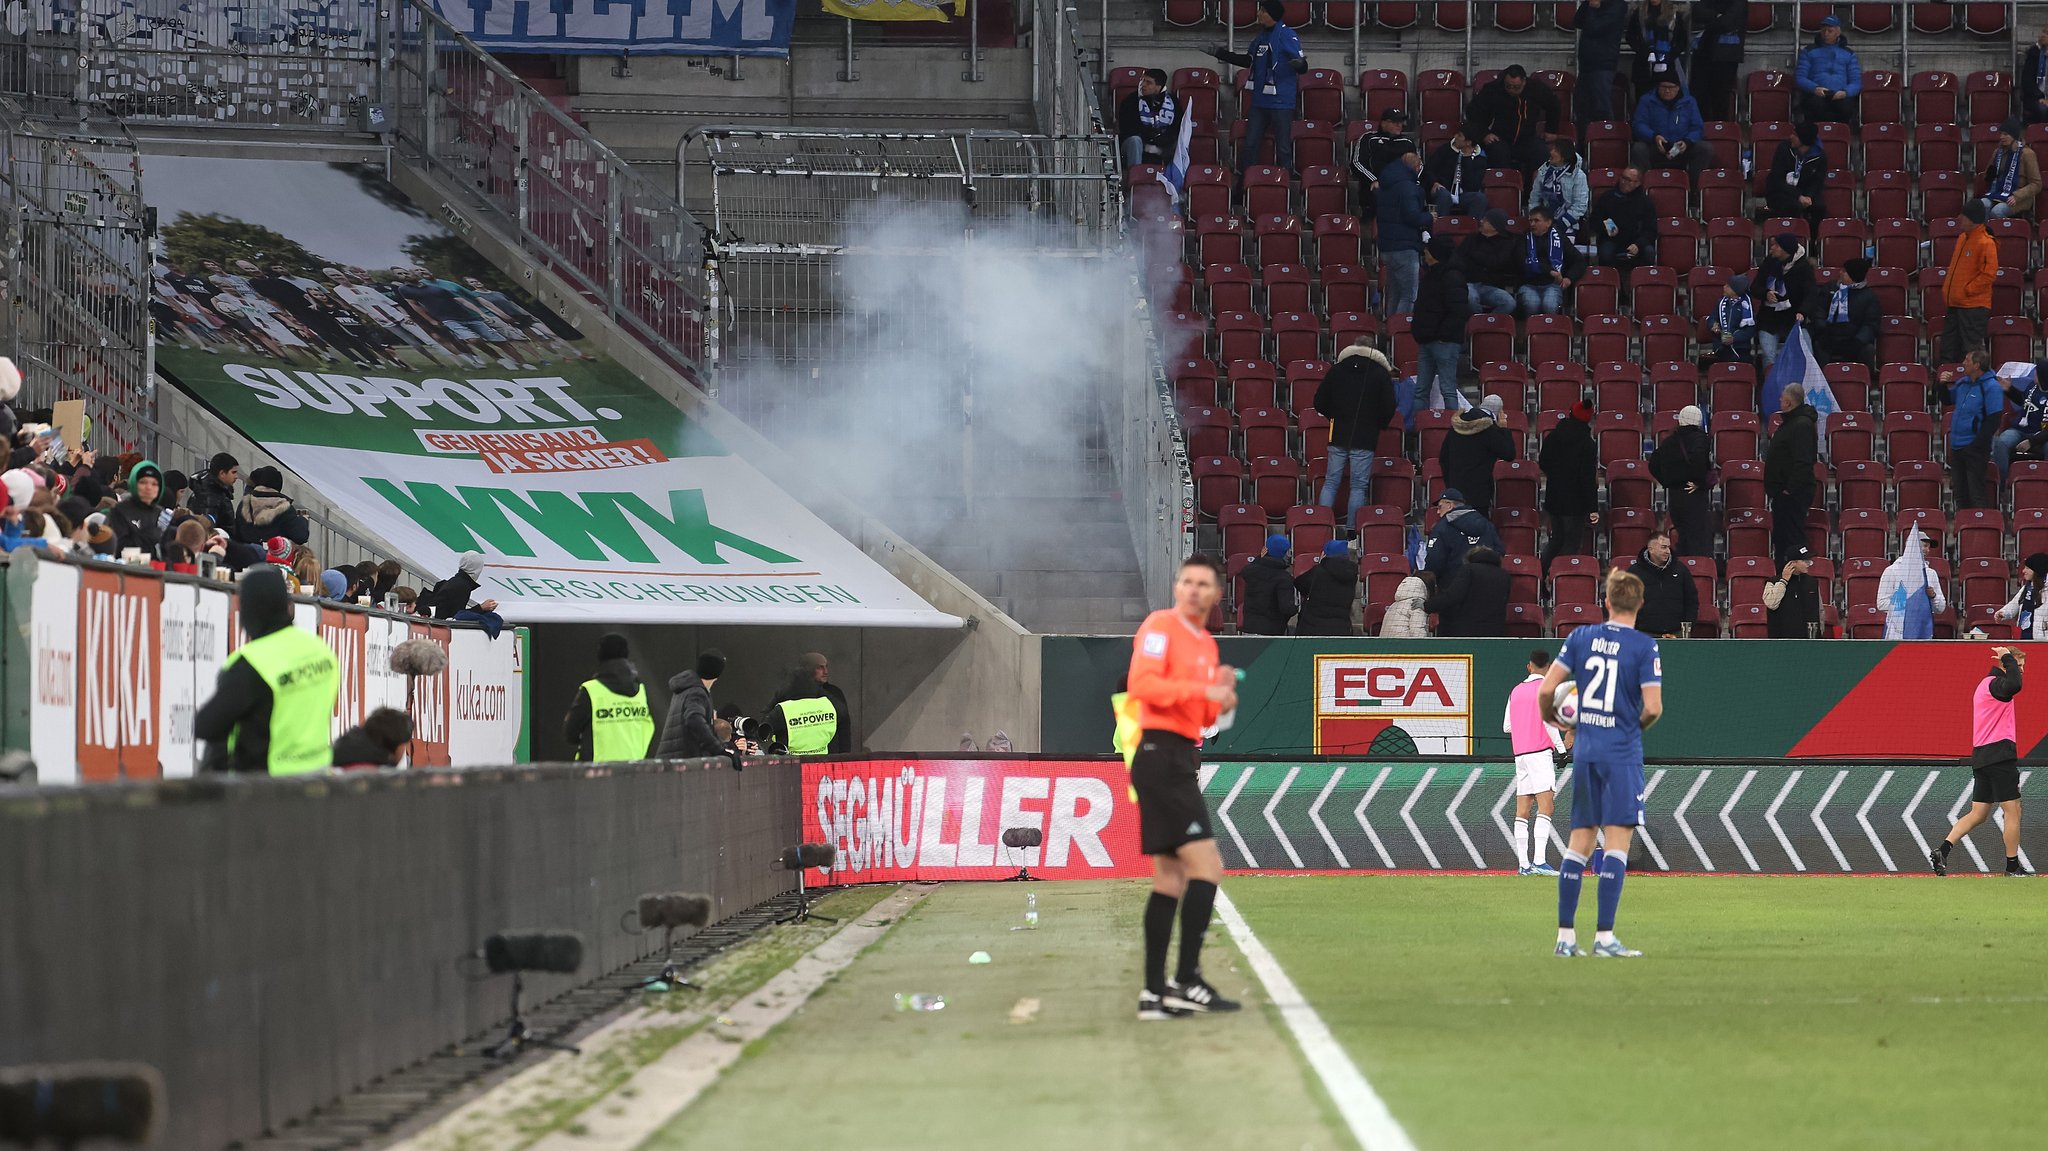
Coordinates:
273	707
609	720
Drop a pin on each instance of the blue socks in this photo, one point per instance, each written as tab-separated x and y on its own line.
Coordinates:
1612	871
1571	873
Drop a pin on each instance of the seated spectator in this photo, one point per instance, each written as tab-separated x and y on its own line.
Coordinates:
1684	465
139	519
1671	600
1148	121
1551	264
2012	178
1847	332
1901	585
1328	591
450	598
1491	260
213	491
1799	177
265	511
2034	79
1455	178
379	741
1783	292
2029	434
334	585
305	572
1473	602
404	599
1406	617
2024	609
1512	117
1458	530
1829	78
1624	224
1669	131
1733	324
1403	217
1792	601
1373	152
1477	442
1560	187
1269	590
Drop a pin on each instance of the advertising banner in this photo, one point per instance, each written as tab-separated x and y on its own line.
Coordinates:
896	10
180	690
931	819
53	654
613	28
400	375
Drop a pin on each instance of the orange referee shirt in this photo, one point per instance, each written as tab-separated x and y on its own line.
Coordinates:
1173	666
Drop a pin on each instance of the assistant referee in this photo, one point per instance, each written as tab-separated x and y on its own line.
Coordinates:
1180	687
1994	761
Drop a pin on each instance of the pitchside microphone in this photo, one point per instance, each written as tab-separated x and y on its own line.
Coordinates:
71	1103
1017	839
417	657
808	855
669	911
560	952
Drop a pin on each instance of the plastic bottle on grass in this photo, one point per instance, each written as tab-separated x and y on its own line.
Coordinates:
920	1001
1031	909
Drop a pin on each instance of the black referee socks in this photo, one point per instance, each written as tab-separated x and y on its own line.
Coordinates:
1195	907
1158	934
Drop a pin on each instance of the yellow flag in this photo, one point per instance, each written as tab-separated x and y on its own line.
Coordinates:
896	9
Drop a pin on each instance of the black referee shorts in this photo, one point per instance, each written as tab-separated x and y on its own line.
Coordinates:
1171	810
1995	784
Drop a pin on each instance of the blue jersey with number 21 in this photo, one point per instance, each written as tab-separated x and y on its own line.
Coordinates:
1611	664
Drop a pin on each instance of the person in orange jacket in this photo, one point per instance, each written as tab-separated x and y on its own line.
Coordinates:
1967	290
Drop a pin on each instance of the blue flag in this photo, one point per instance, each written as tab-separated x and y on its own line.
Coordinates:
1796	364
1906	596
1175	173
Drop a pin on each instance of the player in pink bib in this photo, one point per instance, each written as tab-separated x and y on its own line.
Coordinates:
1534	743
1994	760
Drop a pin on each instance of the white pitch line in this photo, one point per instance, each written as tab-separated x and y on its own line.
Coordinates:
1408	818
1771	818
1315	816
1364	1112
1678	817
1386	860
1286	844
1863	817
1727	811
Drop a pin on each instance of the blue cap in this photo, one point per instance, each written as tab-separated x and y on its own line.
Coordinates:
1336	548
1278	547
1831	22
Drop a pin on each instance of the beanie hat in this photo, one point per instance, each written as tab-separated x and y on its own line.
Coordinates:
710	664
1277	546
1809	133
1336	548
1582	412
1498	218
267	477
20	488
471	563
1788	241
333	584
1740	284
1690	416
221	462
2038	564
10	379
1973	210
1493	404
1857	269
1274	8
2012	128
277	550
611	645
175	481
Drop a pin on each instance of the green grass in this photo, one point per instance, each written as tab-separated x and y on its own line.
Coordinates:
1801	1012
849	1068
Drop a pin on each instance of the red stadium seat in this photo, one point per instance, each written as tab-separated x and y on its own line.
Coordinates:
1440	94
1665	339
1674	384
1866	533
1598	292
1609	339
1851	437
1742	486
1770	94
1575	579
1276	484
1219	482
1736	435
1287	290
1339	240
1324	191
1393	481
1322	94
1980	533
1628	531
1384	88
1731	243
1186	13
1239	336
1937	96
1244	529
1653	291
1988	96
1749	533
1889	196
1264	432
1909	435
1267	191
1310	526
1549	338
1721	193
1296	336
1862	484
1629	483
1346	288
1230	288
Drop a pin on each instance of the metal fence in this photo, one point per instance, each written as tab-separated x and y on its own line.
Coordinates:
570	201
1063	79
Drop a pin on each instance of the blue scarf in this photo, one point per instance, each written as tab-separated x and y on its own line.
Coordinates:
2030	602
1838	308
2005	175
1801	160
1733	314
1161	118
1533	263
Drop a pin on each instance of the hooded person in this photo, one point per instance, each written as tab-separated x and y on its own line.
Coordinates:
1269	596
1407	617
1798	183
688	732
274	701
1473	603
1909	592
452	595
1684	465
609	720
1327	592
1357	396
1490	259
213	490
814	669
265	511
1477	442
2012	177
1458	530
333	585
379	741
139	519
809	716
20	487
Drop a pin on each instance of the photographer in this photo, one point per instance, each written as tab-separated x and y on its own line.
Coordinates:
690	731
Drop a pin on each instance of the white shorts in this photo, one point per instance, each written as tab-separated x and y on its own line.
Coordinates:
1535	773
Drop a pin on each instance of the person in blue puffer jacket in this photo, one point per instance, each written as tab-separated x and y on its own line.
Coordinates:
1979	401
1830	78
1275	61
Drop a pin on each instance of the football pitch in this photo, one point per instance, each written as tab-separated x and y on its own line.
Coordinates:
1811	1012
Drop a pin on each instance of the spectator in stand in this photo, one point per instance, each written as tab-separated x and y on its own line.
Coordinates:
451	597
1661	34
2034	79
689	731
1455	178
265	511
1560	187
1357	397
1979	401
1669	130
1328	591
2029	434
1684	465
1441	310
1512	117
1723	25
1792	601
1671	600
377	742
1799	177
1147	121
1571	489
1491	261
306	571
139	519
2024	609
1972	270
1403	217
175	486
1900	582
1551	264
1600	25
1473	602
213	492
1733	324
1407	617
2012	178
1477	442
1269	590
1788	472
1829	77
1276	63
1373	152
1847	332
1624	224
1458	530
1783	292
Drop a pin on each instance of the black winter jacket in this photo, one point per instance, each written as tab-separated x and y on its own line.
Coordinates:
1474	601
1685	456
1670	597
1788	461
1493	112
1633	215
1454	536
1600	31
213	501
1327	593
1440	306
1357	397
1442	169
1268	596
687	732
1572	468
1468	456
1495	261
